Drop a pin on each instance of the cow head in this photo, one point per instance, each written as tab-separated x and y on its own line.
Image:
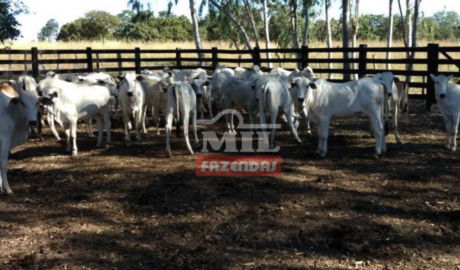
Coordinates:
386	79
301	86
440	84
198	86
129	82
28	104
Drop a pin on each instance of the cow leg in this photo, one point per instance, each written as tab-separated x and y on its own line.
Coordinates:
73	135
394	114
50	119
100	127
138	119
127	135
143	117
448	123
307	121
156	116
169	120
89	127
108	128
263	123
455	122
39	125
323	133
273	116
379	135
4	152
68	147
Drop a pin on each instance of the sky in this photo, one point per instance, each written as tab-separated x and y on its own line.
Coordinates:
65	11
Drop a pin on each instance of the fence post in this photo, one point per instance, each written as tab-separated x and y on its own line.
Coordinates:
137	61
304	57
119	63
35	69
178	59
89	60
362	69
215	61
432	61
256	56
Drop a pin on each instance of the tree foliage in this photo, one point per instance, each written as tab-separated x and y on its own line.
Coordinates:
9	10
49	31
96	25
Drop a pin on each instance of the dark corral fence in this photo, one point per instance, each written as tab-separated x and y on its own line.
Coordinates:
429	59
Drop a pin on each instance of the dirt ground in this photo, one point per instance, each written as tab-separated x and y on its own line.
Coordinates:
122	208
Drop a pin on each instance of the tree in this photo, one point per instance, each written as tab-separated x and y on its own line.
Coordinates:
9	10
49	31
354	30
327	4
346	36
390	31
266	32
96	25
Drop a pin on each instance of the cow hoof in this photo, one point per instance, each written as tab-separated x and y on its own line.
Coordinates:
299	141
376	156
319	156
74	153
168	154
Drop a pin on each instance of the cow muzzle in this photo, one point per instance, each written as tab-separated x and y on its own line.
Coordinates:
199	95
301	100
33	123
442	95
130	94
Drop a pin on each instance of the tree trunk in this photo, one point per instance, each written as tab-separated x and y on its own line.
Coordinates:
414	37
346	36
196	32
305	30
253	24
235	21
354	27
409	22
329	34
390	32
266	32
293	13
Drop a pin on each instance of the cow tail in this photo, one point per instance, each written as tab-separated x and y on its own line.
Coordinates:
176	95
385	110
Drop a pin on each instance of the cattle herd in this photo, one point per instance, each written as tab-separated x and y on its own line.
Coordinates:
289	96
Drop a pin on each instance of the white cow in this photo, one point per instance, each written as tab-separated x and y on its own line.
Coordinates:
398	97
182	101
298	89
346	100
273	96
236	92
448	98
17	113
131	100
238	71
71	102
156	98
223	69
254	70
215	90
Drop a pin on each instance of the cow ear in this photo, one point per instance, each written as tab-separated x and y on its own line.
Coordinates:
449	77
140	78
433	77
11	82
312	85
206	83
293	84
101	82
120	77
45	101
14	101
396	80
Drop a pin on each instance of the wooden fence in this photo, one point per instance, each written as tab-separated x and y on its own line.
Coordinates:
430	59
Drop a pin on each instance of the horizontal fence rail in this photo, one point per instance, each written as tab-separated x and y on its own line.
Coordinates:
430	59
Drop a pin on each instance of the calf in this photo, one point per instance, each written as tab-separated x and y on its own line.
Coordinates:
71	102
273	95
448	97
18	111
346	100
182	101
131	99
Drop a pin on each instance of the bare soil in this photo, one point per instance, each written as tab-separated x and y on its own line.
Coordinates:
130	208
